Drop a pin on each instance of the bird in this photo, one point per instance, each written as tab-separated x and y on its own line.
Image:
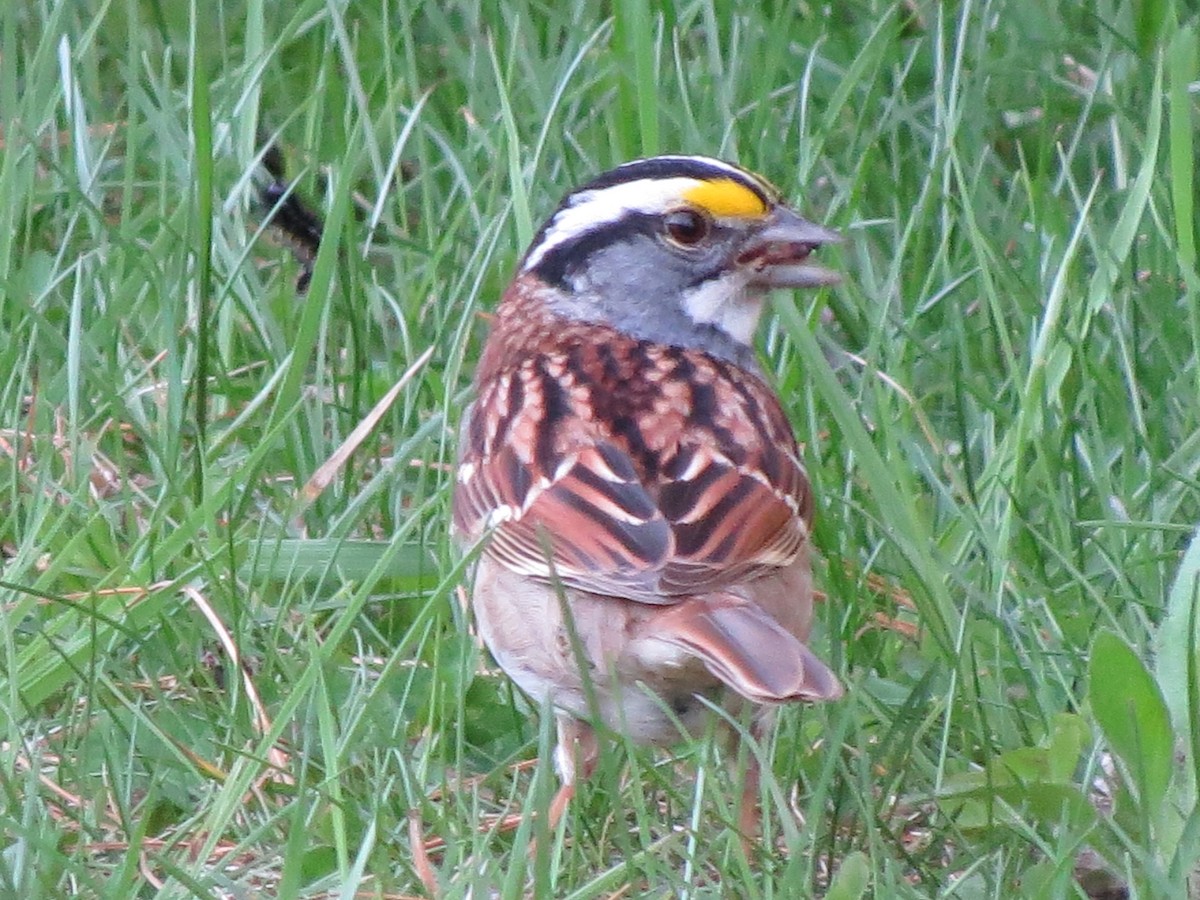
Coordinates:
634	487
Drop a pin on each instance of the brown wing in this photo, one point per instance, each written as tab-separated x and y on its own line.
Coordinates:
654	486
591	523
729	520
747	649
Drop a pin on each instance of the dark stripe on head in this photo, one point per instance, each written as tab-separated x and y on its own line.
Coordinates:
663	167
567	258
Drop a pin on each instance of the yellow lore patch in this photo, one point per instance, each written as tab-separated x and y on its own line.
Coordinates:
726	198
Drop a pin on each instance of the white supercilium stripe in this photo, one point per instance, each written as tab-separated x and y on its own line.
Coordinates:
590	209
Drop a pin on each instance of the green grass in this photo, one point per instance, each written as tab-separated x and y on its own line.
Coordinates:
1000	407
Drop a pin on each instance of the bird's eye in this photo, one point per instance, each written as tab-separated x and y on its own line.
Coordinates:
686	227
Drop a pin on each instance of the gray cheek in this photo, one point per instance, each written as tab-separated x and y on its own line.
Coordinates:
637	286
638	289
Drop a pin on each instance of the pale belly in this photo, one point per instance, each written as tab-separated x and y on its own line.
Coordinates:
652	691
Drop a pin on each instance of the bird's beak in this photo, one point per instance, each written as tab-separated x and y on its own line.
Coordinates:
777	255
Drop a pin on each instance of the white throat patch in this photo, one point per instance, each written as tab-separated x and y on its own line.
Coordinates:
728	305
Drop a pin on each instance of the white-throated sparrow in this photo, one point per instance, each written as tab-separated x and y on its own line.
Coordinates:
645	510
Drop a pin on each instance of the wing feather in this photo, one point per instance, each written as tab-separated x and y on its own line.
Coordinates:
569	496
728	634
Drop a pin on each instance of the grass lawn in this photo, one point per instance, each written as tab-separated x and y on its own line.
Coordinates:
236	664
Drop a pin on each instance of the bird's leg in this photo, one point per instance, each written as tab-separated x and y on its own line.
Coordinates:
576	754
749	811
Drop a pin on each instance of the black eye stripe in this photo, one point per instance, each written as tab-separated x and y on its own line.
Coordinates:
568	257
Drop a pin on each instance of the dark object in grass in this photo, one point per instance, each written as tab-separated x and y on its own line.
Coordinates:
301	226
287	212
